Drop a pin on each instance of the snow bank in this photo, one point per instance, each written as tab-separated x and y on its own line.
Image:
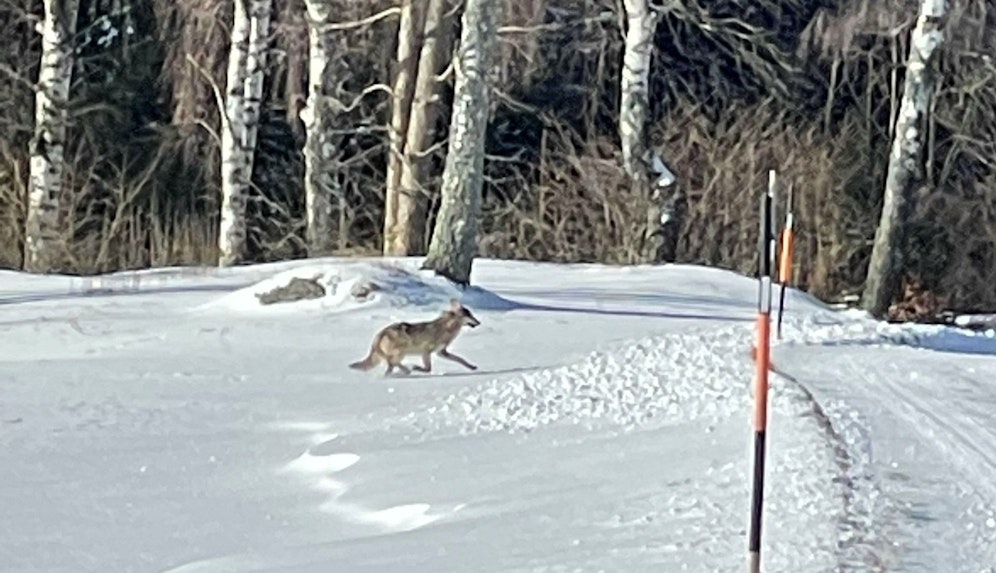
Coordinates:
360	285
673	378
856	327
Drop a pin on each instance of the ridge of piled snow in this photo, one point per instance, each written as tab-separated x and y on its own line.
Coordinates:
675	376
668	378
853	327
360	285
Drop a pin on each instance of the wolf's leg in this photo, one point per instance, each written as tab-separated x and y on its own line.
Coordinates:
449	355
426	363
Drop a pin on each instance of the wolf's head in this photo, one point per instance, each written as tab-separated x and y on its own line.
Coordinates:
459	310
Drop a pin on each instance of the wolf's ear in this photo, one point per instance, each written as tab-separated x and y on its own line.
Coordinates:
455	303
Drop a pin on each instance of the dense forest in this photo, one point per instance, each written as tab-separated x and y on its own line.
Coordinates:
810	88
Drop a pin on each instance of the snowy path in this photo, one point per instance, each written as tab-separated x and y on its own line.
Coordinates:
928	421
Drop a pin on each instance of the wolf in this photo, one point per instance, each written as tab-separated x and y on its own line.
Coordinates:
396	341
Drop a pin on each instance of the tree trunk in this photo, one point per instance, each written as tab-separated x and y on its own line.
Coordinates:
412	202
243	95
885	266
42	245
454	240
321	188
634	109
402	90
672	205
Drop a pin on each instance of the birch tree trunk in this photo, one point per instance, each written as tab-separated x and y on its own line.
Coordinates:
885	267
409	237
320	185
454	240
240	122
42	245
402	89
671	205
634	108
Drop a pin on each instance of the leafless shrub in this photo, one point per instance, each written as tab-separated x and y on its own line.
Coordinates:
13	206
579	208
575	204
724	170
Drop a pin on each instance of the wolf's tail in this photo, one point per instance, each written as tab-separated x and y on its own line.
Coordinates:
367	363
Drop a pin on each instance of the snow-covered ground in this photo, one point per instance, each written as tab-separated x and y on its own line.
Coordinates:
167	421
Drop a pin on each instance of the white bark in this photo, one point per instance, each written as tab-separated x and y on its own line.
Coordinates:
402	90
42	246
634	108
634	86
885	265
320	186
260	12
407	237
454	241
240	121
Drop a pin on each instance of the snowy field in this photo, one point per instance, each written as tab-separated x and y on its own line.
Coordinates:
166	421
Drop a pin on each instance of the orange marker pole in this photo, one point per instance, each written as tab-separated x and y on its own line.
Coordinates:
785	260
766	256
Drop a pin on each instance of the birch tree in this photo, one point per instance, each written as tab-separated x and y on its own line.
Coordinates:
318	116
42	245
240	122
885	266
402	92
634	109
404	225
454	240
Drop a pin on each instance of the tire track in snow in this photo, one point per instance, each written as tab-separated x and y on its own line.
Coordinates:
962	442
961	439
932	454
860	548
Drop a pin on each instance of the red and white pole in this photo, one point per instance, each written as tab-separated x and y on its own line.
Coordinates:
766	257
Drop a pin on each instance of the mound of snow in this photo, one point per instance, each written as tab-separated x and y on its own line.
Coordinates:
362	284
674	378
854	327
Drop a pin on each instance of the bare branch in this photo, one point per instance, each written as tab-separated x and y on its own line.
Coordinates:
341	108
396	10
556	26
214	135
12	73
447	73
219	99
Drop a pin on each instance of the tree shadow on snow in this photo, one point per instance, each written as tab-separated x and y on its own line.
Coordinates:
481	299
109	292
957	342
